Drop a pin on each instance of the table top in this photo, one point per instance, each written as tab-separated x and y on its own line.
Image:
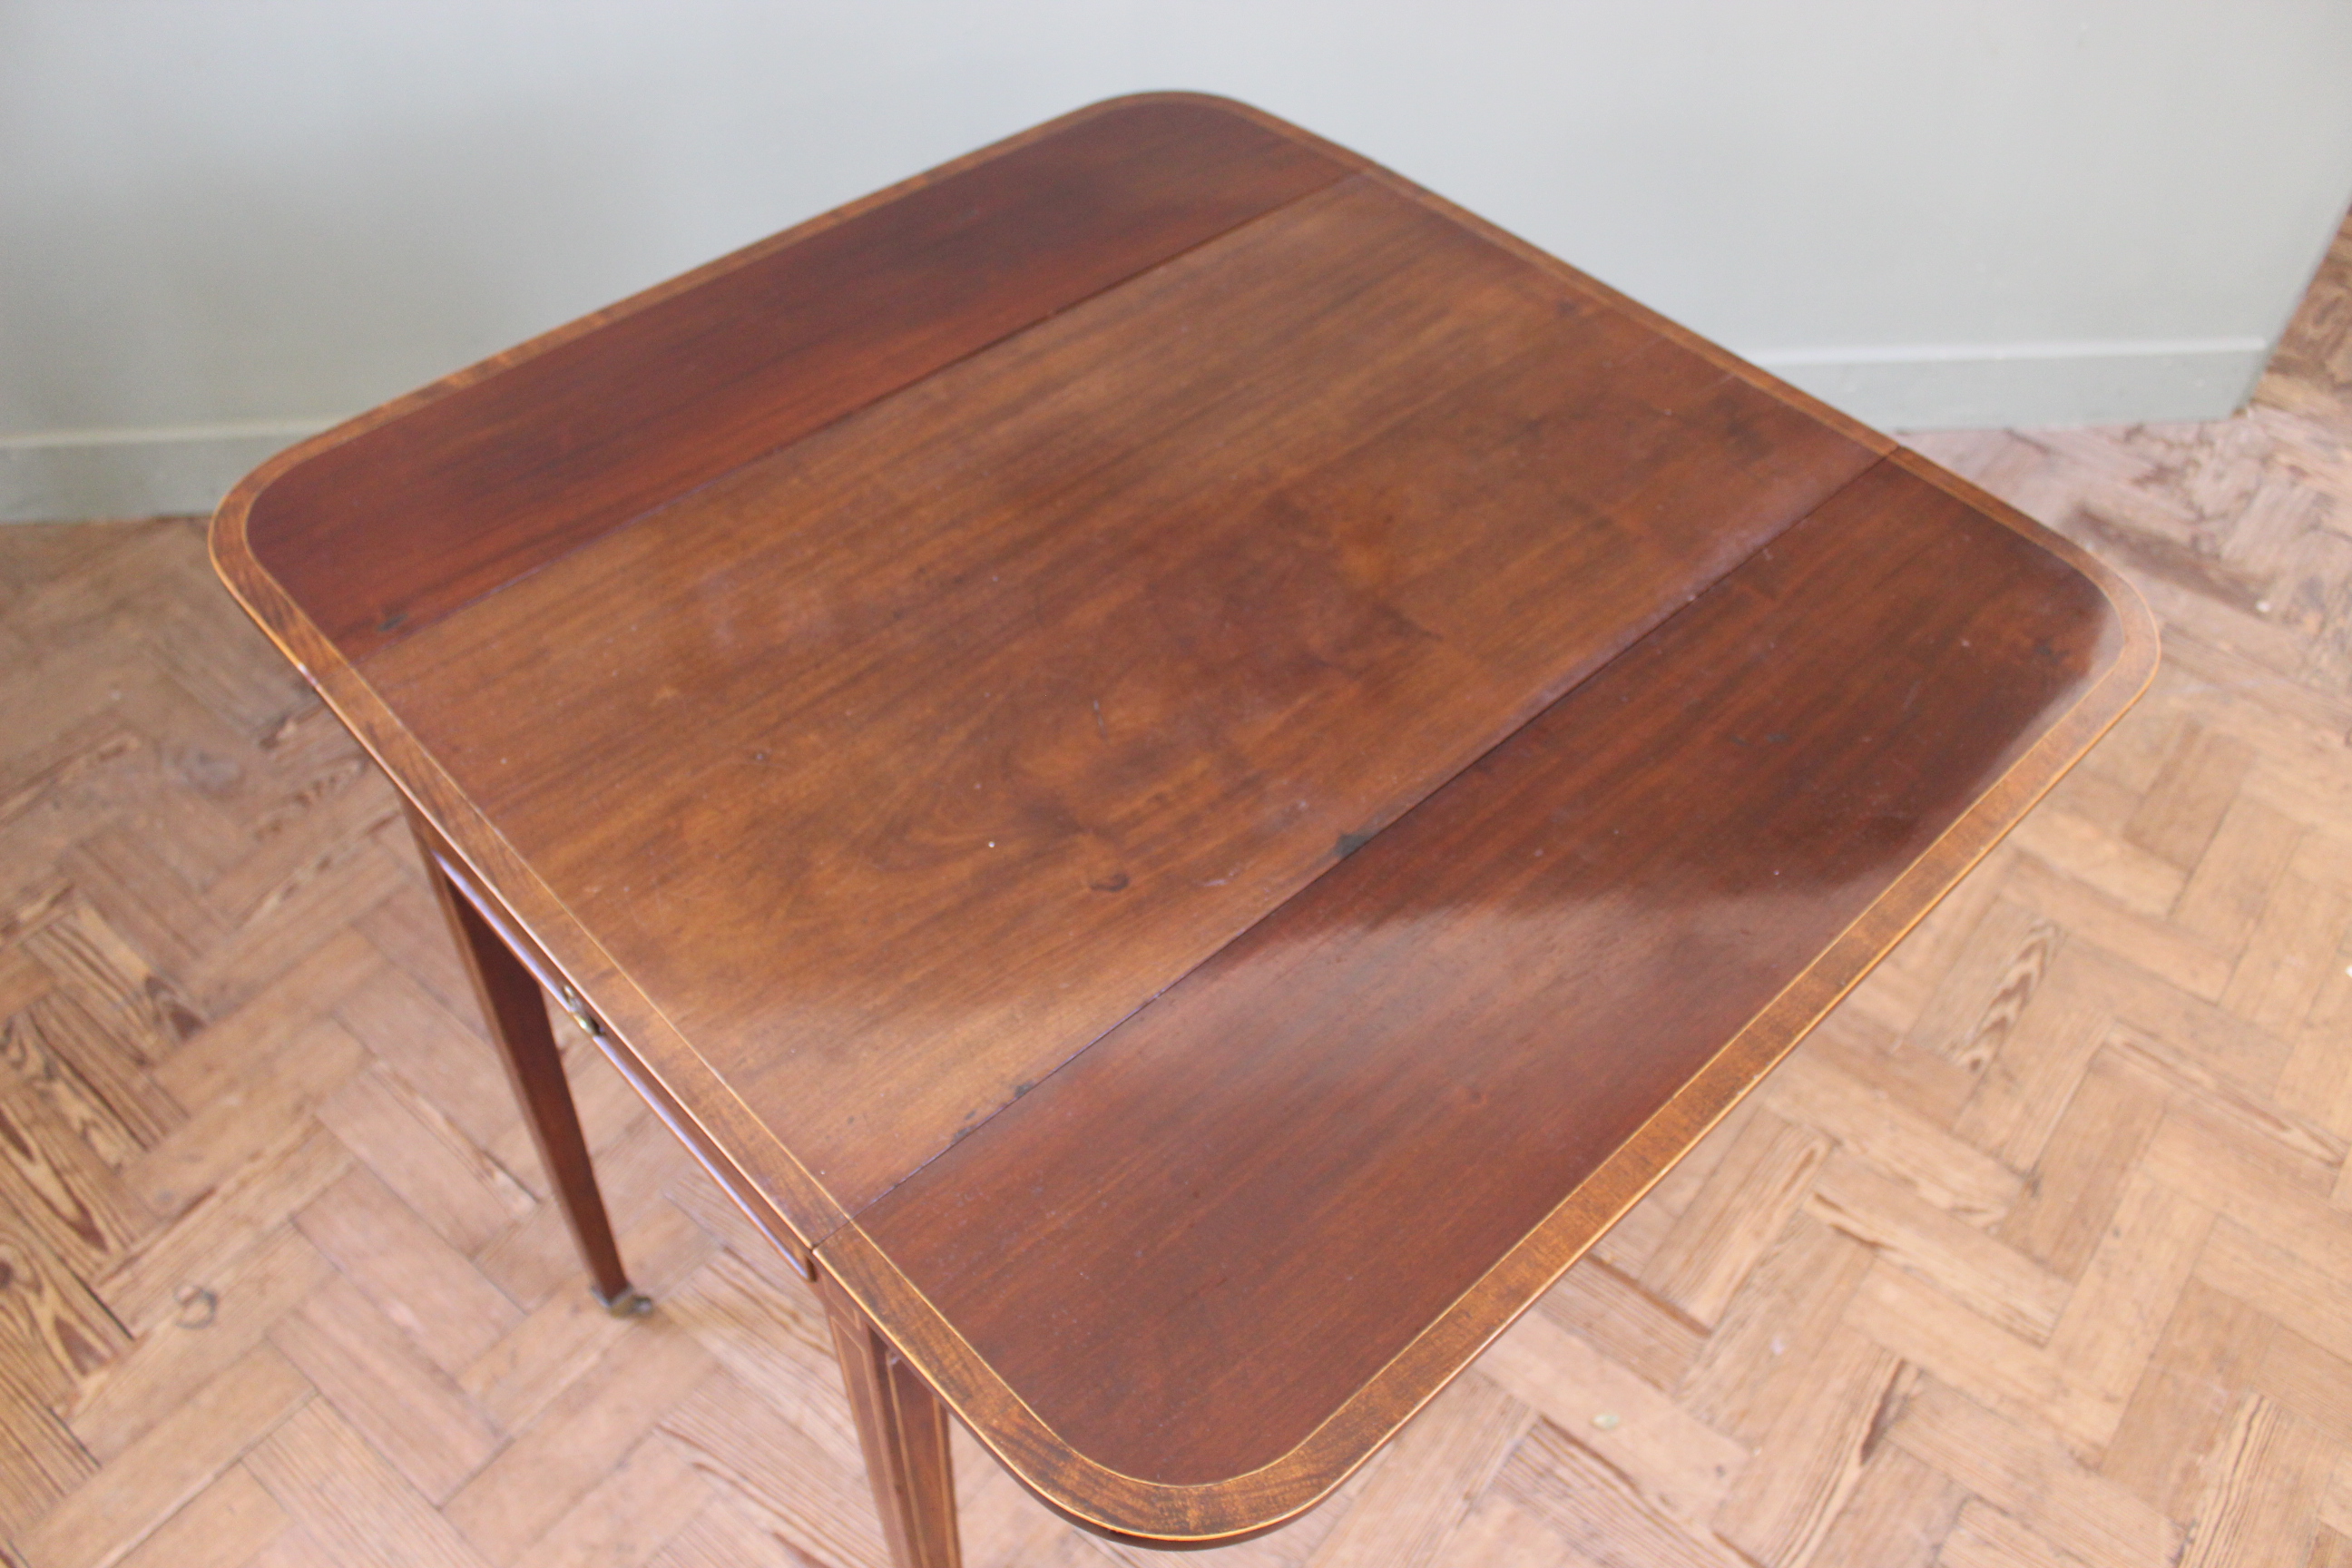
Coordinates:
1186	765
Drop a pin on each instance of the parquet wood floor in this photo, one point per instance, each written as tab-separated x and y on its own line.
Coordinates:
2037	1253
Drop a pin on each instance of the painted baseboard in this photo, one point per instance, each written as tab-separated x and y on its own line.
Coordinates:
66	475
140	473
1955	387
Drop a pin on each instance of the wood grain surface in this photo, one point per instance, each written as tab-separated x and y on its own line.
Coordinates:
1045	678
1339	1125
869	720
379	535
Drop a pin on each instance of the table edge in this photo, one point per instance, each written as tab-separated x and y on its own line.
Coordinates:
785	1198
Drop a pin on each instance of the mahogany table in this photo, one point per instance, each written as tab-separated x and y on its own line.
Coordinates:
1184	767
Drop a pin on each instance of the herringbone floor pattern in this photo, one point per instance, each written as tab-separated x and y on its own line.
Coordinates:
2039	1252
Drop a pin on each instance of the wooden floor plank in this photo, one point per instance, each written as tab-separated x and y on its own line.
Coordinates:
807	1494
1427	1479
1989	1278
223	1526
440	1049
2224	897
1987	1538
1625	1322
57	1187
1899	1515
587	1430
2121	1304
630	1513
729	1533
1794	1302
179	1356
2032	1478
418	1280
349	1501
180	1456
40	1461
1761	1181
145	1014
2041	1058
2094	1146
2269	1474
1917	1322
776	1343
414	1147
218	1057
1594	1508
387	1390
1680	1464
1949	1172
1820	1442
275	1098
57	1045
1996	964
2211	1352
55	1335
2193	790
2279	1281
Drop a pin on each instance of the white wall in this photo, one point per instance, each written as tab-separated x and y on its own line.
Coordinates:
225	222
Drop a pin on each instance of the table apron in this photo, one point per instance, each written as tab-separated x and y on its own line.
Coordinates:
568	996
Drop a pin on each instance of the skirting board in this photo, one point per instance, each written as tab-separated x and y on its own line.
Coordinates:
1960	387
77	474
136	473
